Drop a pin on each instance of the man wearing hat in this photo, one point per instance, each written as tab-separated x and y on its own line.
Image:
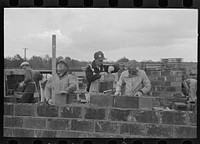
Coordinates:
64	83
96	69
28	84
134	80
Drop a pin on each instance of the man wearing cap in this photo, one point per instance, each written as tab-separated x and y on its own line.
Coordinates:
134	80
64	83
94	71
28	84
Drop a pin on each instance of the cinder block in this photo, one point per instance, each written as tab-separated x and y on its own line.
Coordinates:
146	103
133	129
25	110
159	131
107	127
185	132
36	123
23	133
13	121
8	108
102	100
176	84
193	119
144	116
70	112
58	124
94	113
120	115
82	125
126	102
7	132
174	118
45	134
45	110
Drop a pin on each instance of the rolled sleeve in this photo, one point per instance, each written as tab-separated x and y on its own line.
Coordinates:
28	76
72	84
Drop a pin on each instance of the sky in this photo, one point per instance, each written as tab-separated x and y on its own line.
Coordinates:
140	34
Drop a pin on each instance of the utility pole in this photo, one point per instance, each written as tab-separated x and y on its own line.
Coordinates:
53	66
25	53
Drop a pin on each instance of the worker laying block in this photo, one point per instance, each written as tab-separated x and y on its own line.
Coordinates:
95	72
134	80
64	83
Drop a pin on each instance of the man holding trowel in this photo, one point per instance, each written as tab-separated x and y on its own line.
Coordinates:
134	80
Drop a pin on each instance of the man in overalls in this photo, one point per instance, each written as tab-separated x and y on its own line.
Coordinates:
95	71
134	80
64	83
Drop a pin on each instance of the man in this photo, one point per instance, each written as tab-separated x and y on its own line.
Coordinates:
95	71
64	82
190	86
28	84
134	80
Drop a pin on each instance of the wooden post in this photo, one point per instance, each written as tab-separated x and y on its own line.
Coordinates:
53	66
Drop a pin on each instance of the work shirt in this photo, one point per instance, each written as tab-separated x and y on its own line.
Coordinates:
191	87
28	76
93	72
65	83
134	83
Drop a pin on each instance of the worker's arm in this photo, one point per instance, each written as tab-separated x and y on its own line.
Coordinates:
119	84
48	90
28	76
90	75
72	84
146	83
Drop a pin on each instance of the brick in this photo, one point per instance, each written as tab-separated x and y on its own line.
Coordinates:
36	123
193	119
126	102
70	112
156	73
106	127
145	116
45	110
66	134
102	100
23	133
93	113
82	125
171	89
25	110
166	83
165	73
133	129
160	88
156	83
119	115
185	132
8	109
176	73
13	121
161	78
45	134
176	84
146	103
57	124
7	132
162	131
176	118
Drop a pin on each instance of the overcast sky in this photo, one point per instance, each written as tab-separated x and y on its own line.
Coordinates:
141	34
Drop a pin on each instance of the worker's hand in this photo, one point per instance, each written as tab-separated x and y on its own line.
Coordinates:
110	69
21	84
50	102
139	94
118	93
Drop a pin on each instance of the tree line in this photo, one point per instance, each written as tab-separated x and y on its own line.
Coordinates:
45	62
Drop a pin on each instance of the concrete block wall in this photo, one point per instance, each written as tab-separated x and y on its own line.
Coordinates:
109	120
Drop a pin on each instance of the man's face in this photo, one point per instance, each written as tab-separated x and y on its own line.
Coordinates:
61	68
98	62
132	70
24	67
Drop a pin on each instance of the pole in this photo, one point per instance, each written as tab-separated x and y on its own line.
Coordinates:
53	66
25	53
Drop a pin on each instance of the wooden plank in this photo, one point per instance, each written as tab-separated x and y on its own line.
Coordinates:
53	66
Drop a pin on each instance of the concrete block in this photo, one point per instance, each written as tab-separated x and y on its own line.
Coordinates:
82	125
70	112
45	134
102	100
185	132
10	121
23	133
119	115
58	124
126	102
8	108
25	110
36	123
45	110
133	129
144	116
107	127
95	113
146	102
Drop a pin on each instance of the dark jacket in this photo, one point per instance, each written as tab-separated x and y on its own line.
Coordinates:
93	73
